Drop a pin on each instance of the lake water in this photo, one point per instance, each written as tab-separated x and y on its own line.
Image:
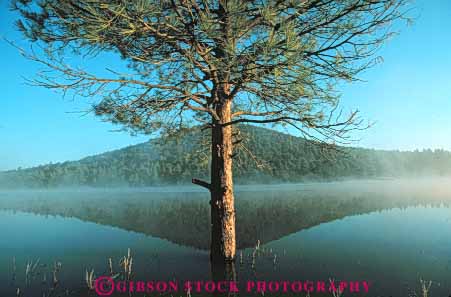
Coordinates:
391	236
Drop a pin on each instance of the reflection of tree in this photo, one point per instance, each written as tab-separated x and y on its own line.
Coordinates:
184	217
223	272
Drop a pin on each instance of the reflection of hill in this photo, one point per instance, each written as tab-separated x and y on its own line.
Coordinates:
183	218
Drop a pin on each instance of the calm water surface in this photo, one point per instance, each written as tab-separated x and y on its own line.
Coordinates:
392	243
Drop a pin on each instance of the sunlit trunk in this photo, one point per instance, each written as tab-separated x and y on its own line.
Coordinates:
223	242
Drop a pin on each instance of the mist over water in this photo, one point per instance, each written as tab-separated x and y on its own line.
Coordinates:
391	232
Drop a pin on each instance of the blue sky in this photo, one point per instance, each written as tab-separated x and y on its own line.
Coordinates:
408	96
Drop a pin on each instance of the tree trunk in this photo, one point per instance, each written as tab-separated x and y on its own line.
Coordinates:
223	242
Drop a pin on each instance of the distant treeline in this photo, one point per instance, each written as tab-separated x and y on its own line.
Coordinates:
265	156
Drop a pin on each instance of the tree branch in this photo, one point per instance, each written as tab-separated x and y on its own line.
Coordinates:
201	183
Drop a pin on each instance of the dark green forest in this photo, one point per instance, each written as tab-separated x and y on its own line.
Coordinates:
264	156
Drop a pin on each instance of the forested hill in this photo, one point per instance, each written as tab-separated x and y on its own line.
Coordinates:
275	157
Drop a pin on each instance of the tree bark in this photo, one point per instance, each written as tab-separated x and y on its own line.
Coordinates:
223	242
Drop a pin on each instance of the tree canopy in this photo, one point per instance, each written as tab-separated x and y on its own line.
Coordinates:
280	60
